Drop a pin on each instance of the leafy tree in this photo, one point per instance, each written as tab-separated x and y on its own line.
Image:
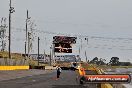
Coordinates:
94	61
114	61
98	61
101	62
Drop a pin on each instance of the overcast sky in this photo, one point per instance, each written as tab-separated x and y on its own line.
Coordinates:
102	18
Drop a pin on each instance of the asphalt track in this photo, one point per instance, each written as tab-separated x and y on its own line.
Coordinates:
66	80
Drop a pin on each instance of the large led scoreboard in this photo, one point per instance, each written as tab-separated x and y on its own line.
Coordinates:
63	44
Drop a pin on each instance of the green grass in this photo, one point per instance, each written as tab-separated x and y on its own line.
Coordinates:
121	66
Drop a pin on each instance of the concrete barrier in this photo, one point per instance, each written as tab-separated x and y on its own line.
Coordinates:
14	67
36	67
49	67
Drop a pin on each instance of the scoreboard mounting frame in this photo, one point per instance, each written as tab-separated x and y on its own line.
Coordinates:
64	39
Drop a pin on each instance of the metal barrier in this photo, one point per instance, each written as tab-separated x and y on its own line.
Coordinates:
106	86
103	85
99	71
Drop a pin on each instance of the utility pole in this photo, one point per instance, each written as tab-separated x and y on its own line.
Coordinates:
86	56
53	53
29	43
81	43
25	50
80	48
11	10
38	50
50	55
44	55
79	52
27	25
86	50
86	40
27	36
25	54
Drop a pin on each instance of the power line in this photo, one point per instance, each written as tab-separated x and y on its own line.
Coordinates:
78	35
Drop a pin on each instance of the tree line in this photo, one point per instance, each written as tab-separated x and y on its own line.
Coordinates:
114	61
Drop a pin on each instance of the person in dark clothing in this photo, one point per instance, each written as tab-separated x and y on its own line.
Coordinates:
58	71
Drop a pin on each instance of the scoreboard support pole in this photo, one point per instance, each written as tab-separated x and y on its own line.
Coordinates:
53	54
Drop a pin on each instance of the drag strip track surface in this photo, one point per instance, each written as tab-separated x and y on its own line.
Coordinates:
66	80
